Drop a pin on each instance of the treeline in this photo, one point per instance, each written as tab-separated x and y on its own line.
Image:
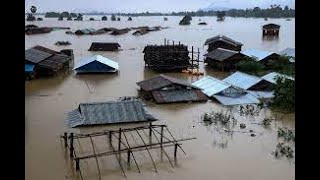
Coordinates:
275	11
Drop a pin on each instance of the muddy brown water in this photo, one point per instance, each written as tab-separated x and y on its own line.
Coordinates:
213	155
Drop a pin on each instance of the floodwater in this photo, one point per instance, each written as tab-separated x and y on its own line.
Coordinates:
213	155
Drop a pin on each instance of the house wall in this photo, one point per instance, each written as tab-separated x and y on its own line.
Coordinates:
226	65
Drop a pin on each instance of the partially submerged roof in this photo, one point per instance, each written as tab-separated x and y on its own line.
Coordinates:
35	56
291	52
242	80
244	99
271	77
271	26
224	39
109	113
211	85
162	81
101	46
98	58
257	54
181	95
220	54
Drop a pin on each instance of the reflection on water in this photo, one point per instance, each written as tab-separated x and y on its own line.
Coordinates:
48	100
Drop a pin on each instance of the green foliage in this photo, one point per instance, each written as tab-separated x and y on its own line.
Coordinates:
52	15
185	20
283	65
284	94
113	17
249	65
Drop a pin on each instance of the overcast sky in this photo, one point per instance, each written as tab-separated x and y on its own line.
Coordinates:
146	5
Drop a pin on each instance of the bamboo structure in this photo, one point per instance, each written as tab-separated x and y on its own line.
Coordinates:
157	132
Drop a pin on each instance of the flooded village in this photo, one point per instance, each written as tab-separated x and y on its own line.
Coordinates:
158	97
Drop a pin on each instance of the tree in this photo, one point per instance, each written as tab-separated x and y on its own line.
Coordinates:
249	65
284	94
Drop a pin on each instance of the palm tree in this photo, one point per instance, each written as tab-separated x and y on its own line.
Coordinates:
30	16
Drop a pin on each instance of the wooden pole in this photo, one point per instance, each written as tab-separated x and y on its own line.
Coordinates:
198	59
65	138
110	137
164	41
77	164
119	144
125	137
128	153
192	57
71	145
175	151
161	137
150	130
95	155
179	43
173	44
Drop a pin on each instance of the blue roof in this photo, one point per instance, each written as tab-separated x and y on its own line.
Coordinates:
211	86
28	67
97	58
244	99
242	80
258	54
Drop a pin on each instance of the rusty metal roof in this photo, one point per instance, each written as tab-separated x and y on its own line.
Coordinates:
181	95
224	39
162	81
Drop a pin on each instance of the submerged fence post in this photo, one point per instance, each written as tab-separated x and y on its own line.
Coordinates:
150	129
71	145
119	145
77	164
175	151
65	138
192	58
110	137
128	153
165	41
161	137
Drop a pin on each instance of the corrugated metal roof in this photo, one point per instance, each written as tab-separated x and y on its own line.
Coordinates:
271	26
181	95
109	113
242	80
98	58
220	54
224	39
291	52
28	67
271	77
258	54
262	94
162	81
211	85
35	55
244	99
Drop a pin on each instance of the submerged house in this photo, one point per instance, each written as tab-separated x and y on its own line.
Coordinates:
166	57
48	62
112	112
165	89
224	42
99	46
223	59
290	52
224	92
96	64
264	57
270	30
84	31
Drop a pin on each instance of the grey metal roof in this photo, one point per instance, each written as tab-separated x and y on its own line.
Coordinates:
262	94
244	99
224	39
109	113
291	52
220	54
181	95
162	81
242	80
257	54
271	77
35	56
271	26
211	85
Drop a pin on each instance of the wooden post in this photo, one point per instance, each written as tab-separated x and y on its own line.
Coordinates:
179	43
110	137
161	137
165	41
175	151
150	130
173	44
192	58
65	138
71	145
119	145
128	153
77	165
